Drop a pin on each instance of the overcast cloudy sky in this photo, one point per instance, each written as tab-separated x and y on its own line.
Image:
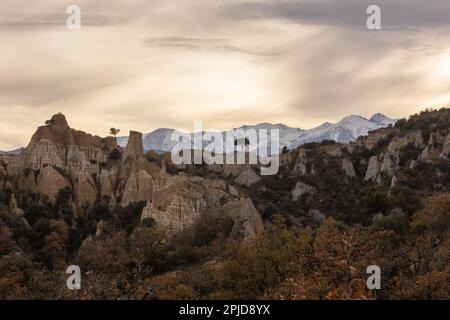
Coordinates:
141	65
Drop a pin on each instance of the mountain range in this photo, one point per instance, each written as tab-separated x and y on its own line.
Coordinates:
212	231
347	130
12	152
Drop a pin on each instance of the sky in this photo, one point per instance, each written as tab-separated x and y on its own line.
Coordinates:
141	65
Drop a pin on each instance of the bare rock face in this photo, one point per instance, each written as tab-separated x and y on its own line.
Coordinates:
233	191
372	140
13	208
136	173
393	181
297	159
85	190
27	181
181	213
347	166
179	201
2	170
433	150
107	183
391	159
247	178
50	181
445	154
390	163
301	189
247	221
134	149
235	170
300	164
139	187
58	156
12	165
176	202
373	169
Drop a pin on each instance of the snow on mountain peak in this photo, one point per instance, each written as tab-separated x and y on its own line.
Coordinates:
382	120
344	131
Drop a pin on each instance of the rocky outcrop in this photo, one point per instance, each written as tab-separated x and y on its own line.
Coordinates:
373	169
134	149
390	163
85	190
445	154
301	189
49	181
434	148
299	162
181	213
374	138
179	201
393	181
13	207
58	157
176	202
139	187
107	183
247	221
58	145
247	178
347	166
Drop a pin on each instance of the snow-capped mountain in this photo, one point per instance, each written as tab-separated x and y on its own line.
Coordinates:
160	140
381	120
13	152
344	131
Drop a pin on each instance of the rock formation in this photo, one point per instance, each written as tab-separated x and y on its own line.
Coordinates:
300	189
179	201
93	168
373	169
347	166
445	154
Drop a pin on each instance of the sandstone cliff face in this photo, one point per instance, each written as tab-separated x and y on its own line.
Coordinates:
247	221
297	160
373	139
247	178
388	162
373	169
435	147
58	145
445	154
347	166
179	201
49	181
58	157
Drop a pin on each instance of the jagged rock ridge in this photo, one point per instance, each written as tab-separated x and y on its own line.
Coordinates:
59	157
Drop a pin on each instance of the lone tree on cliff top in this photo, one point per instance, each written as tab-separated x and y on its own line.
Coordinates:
114	132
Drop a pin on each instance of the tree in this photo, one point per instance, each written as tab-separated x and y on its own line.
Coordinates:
114	132
249	269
